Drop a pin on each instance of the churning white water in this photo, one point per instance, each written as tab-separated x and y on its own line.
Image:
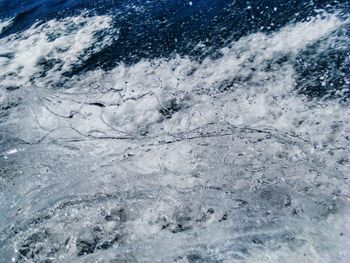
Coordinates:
170	159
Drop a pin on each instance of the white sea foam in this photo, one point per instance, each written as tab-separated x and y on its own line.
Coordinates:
167	139
257	97
63	43
5	24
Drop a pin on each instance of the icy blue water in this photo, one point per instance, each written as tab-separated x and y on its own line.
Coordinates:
174	131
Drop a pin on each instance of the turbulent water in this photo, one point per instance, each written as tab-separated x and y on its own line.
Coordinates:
174	131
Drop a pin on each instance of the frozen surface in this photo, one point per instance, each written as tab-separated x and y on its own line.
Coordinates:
172	159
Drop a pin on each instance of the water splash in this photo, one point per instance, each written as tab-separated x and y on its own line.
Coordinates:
171	159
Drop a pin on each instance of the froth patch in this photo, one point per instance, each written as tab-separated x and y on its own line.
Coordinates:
221	152
43	52
251	84
4	24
